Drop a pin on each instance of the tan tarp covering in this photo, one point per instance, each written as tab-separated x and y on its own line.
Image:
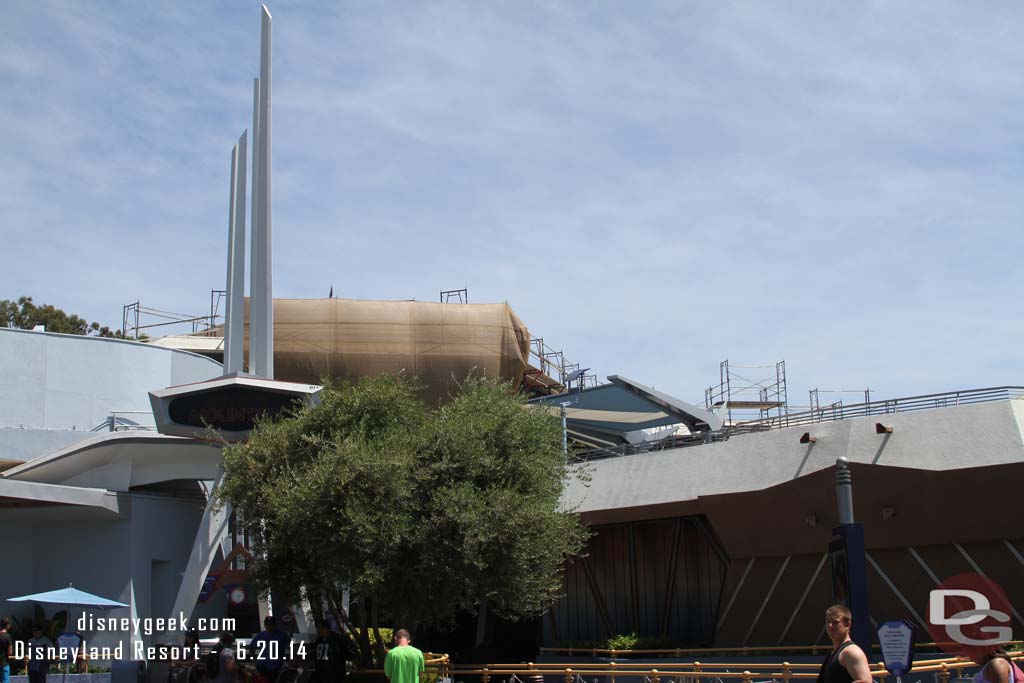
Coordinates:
439	343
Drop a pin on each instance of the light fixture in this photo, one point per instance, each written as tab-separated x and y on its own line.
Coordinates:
807	438
888	512
811	519
882	429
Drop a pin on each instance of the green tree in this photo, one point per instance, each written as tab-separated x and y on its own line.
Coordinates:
25	314
421	512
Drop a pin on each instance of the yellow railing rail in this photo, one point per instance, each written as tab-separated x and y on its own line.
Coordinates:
440	662
782	672
680	652
674	667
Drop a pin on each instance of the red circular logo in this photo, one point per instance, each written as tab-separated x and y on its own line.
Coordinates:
969	615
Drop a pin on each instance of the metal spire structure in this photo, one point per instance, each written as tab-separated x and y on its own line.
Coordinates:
234	316
261	304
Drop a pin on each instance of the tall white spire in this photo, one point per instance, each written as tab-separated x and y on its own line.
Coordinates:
234	315
261	305
254	259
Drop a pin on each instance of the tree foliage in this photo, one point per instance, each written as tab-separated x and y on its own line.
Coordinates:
26	315
421	512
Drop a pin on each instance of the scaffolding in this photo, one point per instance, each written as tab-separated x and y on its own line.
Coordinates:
455	296
749	392
550	372
135	317
814	396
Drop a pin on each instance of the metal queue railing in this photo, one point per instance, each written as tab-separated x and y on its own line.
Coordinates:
744	651
434	662
696	672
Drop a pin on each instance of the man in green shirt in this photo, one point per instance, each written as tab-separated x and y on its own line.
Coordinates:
404	663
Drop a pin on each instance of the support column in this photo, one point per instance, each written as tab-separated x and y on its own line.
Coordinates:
234	318
213	528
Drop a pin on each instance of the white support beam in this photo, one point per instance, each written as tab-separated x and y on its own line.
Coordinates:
764	603
896	591
977	568
735	593
234	317
261	312
803	598
212	529
255	259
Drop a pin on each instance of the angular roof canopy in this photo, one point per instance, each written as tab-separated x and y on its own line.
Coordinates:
610	413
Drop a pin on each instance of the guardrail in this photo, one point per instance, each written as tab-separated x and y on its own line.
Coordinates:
784	672
436	662
693	668
743	651
119	422
840	411
830	413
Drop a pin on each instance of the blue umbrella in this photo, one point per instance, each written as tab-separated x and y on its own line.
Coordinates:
69	596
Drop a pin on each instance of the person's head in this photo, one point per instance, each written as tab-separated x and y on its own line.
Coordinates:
227	638
837	622
269	622
37	630
5	623
980	656
402	637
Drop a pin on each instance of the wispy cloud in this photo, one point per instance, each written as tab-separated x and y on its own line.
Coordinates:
653	187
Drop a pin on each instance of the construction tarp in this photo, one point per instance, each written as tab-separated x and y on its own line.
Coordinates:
439	343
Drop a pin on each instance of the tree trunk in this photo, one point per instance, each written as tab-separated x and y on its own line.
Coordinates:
363	636
481	622
374	618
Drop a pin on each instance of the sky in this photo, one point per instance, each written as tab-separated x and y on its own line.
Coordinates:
652	186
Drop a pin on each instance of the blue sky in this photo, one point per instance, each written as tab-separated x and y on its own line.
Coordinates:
653	187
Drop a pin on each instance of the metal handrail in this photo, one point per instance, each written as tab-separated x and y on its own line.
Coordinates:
830	413
840	411
744	651
115	423
784	672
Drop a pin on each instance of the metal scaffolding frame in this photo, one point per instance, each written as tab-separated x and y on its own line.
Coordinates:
135	317
455	296
756	393
814	396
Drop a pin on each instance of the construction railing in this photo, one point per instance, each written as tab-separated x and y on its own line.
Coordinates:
840	411
829	413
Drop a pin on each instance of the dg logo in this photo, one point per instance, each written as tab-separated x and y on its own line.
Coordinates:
969	614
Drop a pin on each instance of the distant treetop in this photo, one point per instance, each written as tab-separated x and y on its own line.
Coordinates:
26	315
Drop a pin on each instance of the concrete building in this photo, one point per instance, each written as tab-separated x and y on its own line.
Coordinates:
722	540
91	494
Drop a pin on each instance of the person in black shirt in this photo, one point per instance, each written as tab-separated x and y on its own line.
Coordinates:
847	663
329	655
6	650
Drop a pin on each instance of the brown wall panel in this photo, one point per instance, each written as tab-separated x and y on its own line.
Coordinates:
632	576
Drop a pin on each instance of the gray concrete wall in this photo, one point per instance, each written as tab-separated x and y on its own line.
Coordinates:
57	387
162	532
137	559
24	444
938	439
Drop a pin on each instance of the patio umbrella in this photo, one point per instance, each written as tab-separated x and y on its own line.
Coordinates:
67	597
